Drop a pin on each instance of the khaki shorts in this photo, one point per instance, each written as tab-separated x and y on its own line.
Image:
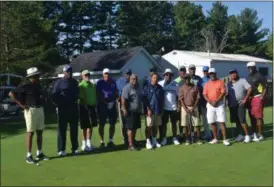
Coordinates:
154	120
34	119
195	117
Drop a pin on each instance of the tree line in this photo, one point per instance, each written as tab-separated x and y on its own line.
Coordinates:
46	34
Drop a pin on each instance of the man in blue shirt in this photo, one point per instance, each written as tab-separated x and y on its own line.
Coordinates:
65	95
154	104
207	132
121	83
107	94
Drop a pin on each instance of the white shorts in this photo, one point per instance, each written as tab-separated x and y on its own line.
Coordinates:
215	114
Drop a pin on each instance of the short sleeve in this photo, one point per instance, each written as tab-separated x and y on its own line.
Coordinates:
246	84
205	90
125	93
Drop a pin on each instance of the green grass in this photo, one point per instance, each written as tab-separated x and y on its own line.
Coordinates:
205	165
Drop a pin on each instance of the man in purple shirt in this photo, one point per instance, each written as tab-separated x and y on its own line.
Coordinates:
107	95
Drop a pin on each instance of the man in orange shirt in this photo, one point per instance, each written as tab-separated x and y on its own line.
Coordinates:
214	92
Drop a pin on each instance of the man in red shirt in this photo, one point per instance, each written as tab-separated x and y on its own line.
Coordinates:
214	92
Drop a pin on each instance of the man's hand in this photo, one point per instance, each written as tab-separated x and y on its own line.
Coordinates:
191	110
124	112
243	102
149	112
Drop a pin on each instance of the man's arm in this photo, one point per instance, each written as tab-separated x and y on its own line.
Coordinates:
223	92
15	99
264	85
197	99
181	99
55	92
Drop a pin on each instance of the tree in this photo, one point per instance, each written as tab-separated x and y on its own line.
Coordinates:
250	33
269	46
189	21
27	37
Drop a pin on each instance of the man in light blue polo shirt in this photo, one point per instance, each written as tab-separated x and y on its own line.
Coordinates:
207	132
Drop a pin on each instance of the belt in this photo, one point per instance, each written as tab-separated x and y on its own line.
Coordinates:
33	106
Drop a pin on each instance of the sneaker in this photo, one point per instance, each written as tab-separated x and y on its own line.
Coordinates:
84	147
155	143
226	142
247	139
240	138
89	149
62	153
255	138
148	145
164	142
41	156
214	141
199	142
30	160
261	137
110	145
132	148
76	152
175	141
102	145
187	142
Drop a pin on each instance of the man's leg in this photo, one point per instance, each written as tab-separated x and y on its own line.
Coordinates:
74	133
242	121
223	129
62	132
130	138
124	131
29	137
112	116
214	130
163	128
148	132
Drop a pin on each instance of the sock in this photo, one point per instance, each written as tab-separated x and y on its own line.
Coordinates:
101	141
39	152
28	154
110	140
148	140
84	142
88	143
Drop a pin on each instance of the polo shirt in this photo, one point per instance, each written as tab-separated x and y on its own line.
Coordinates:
87	93
133	96
171	93
213	89
197	81
121	83
180	81
236	91
107	90
29	94
257	82
154	98
189	94
65	92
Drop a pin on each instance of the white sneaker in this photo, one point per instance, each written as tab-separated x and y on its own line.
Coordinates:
84	147
155	143
226	142
261	138
148	145
214	141
247	139
255	138
175	141
62	153
240	138
164	142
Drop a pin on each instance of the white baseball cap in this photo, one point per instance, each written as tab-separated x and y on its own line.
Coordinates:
212	70
251	64
168	71
106	70
32	71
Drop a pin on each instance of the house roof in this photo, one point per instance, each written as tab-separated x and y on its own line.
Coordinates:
97	61
223	56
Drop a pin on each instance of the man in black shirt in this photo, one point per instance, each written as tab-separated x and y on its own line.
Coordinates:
259	87
65	95
29	96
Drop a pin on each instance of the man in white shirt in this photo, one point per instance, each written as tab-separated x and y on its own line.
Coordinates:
170	107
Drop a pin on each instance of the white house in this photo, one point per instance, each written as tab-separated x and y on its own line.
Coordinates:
118	61
222	62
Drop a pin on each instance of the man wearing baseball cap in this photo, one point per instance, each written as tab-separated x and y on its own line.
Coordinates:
214	92
238	92
180	81
107	94
87	109
121	83
30	96
259	89
207	132
170	88
65	95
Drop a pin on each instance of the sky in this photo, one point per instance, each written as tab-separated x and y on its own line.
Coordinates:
264	10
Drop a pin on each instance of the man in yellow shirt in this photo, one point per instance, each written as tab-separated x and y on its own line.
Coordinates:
88	116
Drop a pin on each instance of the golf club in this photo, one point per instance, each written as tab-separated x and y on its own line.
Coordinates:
120	119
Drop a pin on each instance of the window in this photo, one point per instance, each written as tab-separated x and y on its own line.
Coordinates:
263	71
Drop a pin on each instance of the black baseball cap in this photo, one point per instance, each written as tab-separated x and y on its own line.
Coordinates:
233	71
153	69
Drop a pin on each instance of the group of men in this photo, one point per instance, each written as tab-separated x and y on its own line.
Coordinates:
193	101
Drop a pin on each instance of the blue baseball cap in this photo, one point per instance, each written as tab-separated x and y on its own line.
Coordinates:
67	68
205	68
128	71
233	71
